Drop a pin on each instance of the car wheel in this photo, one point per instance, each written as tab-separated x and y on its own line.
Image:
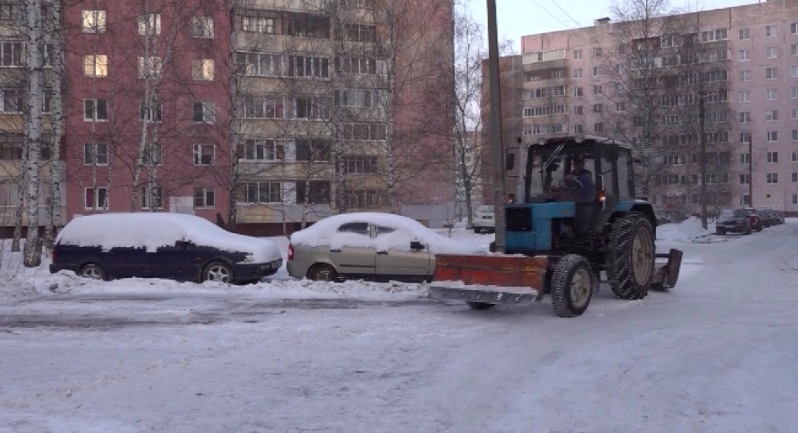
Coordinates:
93	271
322	272
218	271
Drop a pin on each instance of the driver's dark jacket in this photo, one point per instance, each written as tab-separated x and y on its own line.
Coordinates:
585	177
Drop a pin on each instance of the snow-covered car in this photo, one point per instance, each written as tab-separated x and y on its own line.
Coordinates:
161	245
484	219
369	245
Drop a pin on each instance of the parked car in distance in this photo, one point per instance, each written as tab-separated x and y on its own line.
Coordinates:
484	220
756	221
733	220
369	245
161	245
770	217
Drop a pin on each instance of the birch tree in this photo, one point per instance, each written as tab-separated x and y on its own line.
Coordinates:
31	254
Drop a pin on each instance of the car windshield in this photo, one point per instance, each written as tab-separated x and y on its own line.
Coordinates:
731	213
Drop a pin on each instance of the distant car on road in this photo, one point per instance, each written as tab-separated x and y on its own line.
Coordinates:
161	245
770	217
484	219
371	246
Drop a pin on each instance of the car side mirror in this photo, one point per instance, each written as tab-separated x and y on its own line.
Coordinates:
416	245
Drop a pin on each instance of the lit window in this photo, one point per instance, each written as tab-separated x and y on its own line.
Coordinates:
155	66
202	27
149	25
93	21
95	65
202	69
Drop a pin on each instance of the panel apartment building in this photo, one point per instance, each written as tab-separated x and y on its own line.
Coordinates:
274	113
736	68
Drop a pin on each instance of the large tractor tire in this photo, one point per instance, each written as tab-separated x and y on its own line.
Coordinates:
631	255
572	285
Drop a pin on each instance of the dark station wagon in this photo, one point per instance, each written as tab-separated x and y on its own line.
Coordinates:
161	245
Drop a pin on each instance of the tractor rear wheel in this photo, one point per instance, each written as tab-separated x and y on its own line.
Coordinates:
572	285
630	259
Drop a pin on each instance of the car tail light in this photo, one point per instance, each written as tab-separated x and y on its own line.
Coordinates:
290	252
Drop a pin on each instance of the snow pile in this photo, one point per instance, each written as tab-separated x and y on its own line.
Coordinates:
689	230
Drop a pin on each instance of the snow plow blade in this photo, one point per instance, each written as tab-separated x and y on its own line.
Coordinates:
667	275
495	279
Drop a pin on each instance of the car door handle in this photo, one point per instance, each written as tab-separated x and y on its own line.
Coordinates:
335	251
382	252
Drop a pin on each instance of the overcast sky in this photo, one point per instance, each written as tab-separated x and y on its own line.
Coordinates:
516	18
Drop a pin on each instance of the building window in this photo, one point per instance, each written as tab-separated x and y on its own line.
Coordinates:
202	69
358	98
772	136
264	150
579	128
93	21
794	177
204	154
310	108
578	73
305	25
308	67
771	115
261	192
770	31
714	35
365	131
794	28
577	54
745	137
744	34
794	93
596	71
257	22
772	178
745	116
794	50
795	156
11	54
359	164
95	198
771	52
794	71
598	108
12	100
152	154
597	51
313	192
155	65
151	198
578	91
312	150
598	90
795	199
95	65
259	64
263	107
360	65
795	135
204	112
149	111
771	73
204	198
95	154
95	110
745	179
772	157
745	158
745	75
743	55
578	109
149	24
745	96
202	27
794	113
598	127
365	198
361	33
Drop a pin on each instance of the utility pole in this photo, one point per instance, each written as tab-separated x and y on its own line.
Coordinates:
703	161
496	143
751	170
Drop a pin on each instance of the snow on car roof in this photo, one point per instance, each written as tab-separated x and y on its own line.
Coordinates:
151	230
324	232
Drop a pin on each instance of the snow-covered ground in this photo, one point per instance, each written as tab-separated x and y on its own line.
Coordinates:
715	354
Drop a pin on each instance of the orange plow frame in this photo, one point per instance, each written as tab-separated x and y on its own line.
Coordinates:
494	279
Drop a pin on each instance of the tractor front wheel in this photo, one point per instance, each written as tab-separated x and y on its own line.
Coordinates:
572	285
630	259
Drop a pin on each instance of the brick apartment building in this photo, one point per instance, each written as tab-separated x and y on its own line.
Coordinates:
743	60
275	113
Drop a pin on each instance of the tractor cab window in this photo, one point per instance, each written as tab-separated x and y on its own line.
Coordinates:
567	176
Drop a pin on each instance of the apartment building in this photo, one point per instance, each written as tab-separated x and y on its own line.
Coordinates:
736	68
270	114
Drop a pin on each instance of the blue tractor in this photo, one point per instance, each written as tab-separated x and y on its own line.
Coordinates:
576	215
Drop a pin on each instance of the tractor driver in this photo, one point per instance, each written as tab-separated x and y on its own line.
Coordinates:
583	188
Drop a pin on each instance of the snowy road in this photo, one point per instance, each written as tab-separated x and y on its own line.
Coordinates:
716	354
